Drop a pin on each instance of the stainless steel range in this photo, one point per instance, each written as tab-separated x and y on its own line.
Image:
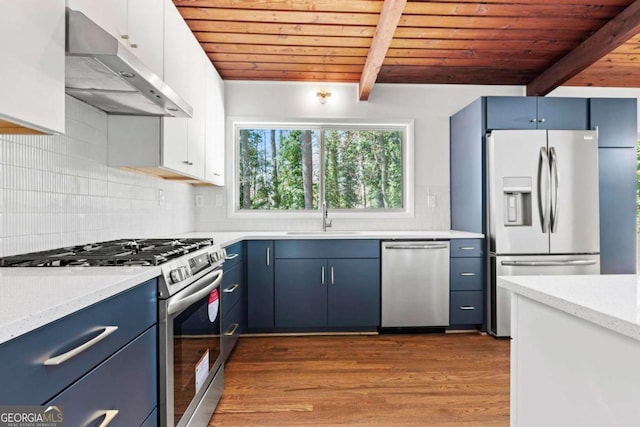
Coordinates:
189	324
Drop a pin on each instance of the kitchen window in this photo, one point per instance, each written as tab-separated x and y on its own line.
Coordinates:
294	168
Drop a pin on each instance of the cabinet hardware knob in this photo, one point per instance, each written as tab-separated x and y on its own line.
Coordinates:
187	162
466	248
133	45
125	36
467	274
467	307
541	120
533	120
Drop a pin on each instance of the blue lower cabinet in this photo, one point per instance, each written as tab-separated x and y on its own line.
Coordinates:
466	307
152	420
260	285
301	293
124	386
327	293
232	327
354	293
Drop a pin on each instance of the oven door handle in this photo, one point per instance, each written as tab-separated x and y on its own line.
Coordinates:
196	291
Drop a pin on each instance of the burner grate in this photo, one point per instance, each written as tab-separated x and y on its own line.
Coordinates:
123	252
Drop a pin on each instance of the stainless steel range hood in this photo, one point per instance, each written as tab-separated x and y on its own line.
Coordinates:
102	72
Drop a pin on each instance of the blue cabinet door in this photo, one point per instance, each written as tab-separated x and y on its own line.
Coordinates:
354	292
616	121
511	112
563	113
126	382
617	167
260	296
301	294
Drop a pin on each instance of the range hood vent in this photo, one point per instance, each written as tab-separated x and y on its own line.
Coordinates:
102	72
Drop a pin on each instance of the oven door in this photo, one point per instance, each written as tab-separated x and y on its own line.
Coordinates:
189	351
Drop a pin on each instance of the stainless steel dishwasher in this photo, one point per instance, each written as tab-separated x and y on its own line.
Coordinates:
415	284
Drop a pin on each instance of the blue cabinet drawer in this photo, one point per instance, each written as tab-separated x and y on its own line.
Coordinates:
466	274
232	327
126	382
232	288
327	248
28	381
466	247
235	254
466	307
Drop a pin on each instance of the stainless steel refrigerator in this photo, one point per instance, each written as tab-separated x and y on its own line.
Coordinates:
543	213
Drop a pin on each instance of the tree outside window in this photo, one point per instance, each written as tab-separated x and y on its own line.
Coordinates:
295	169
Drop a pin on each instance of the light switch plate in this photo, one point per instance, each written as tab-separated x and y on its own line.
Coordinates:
199	201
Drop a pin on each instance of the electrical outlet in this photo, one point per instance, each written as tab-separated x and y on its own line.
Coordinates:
161	197
432	201
199	201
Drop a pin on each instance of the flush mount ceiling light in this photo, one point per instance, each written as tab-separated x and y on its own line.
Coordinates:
323	95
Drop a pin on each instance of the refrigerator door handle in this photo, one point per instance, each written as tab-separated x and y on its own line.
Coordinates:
555	188
548	263
543	182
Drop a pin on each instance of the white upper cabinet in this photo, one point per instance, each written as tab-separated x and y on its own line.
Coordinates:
176	37
137	24
214	128
196	128
32	72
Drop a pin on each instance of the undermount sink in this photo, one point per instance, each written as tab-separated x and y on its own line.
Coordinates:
323	232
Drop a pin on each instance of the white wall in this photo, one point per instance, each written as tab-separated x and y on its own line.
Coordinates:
428	105
58	190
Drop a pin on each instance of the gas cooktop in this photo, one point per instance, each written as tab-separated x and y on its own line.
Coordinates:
118	253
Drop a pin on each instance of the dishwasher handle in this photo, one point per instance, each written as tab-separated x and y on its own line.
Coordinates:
415	246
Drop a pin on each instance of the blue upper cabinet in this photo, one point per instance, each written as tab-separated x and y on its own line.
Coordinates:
616	121
517	112
511	112
563	113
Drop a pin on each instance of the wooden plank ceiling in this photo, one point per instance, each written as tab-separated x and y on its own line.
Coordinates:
458	42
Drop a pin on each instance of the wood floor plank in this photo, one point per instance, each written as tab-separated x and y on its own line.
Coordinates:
371	380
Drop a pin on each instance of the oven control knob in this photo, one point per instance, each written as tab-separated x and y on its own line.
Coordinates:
178	275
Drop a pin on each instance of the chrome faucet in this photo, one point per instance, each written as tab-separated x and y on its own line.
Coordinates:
326	222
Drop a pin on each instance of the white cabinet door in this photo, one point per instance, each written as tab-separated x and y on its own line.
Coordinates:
214	128
174	143
196	123
32	74
145	24
176	37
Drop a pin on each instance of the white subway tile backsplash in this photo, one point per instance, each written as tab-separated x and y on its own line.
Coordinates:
58	190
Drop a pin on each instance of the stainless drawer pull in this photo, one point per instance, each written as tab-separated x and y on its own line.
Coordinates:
322	274
466	248
467	274
467	307
232	256
332	276
53	361
232	331
108	417
232	288
268	257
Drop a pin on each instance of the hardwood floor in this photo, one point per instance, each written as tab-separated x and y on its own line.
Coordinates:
384	380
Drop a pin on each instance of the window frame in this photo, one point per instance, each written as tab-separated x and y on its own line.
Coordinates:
407	126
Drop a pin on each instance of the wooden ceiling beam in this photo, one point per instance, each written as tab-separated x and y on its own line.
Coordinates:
613	34
387	23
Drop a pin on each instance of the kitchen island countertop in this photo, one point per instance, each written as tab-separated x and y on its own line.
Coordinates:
611	301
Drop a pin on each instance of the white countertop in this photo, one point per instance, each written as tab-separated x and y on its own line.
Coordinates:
611	301
226	238
33	297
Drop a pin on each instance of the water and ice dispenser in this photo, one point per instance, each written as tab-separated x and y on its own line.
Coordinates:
517	201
